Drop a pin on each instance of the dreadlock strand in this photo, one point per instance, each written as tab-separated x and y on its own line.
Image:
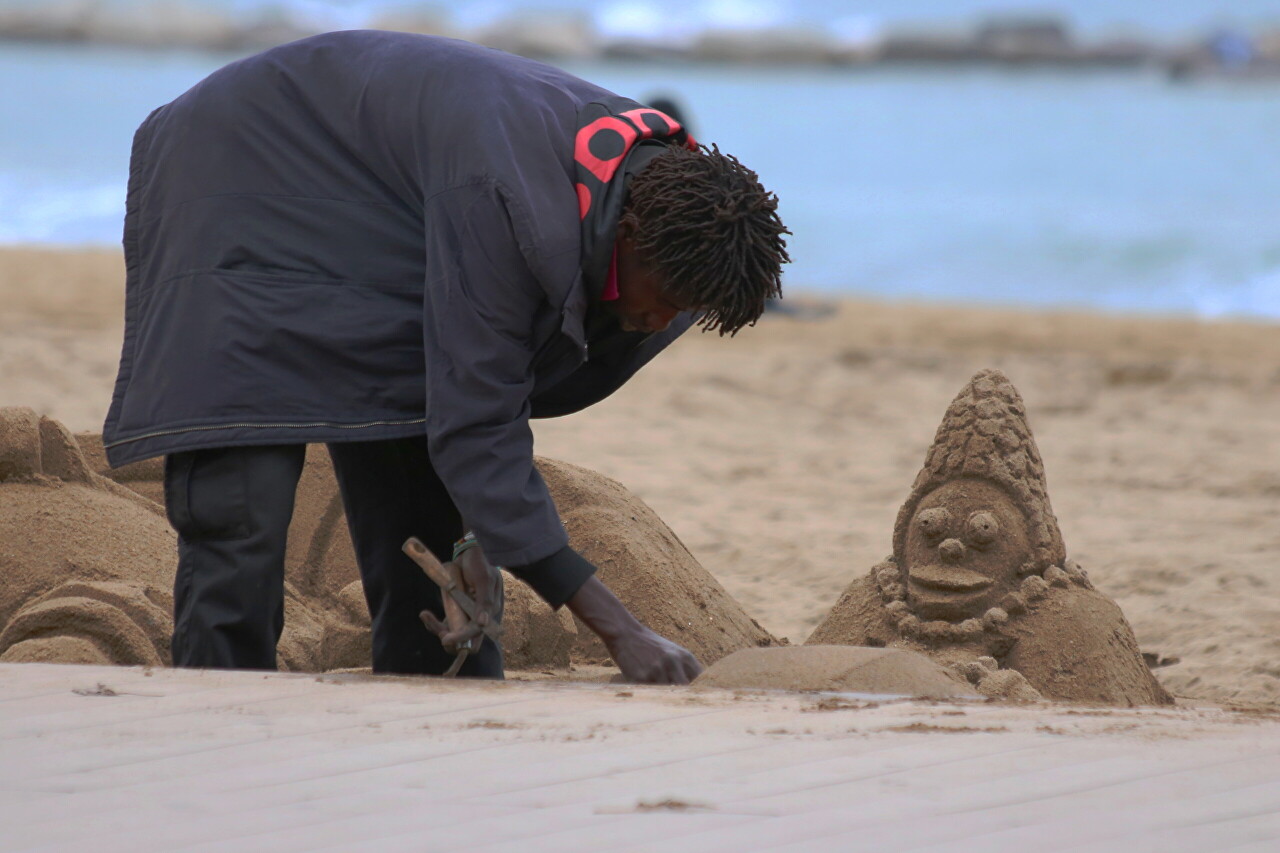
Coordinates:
705	224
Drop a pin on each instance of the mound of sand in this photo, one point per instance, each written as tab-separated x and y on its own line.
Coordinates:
85	563
647	566
844	669
979	570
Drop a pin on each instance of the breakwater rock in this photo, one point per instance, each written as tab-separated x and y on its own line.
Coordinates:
1032	40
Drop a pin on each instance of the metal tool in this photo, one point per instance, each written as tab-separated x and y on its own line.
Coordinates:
466	610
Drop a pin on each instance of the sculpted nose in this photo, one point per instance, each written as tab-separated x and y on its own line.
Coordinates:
951	551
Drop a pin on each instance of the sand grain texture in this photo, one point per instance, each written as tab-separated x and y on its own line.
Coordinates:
845	669
85	565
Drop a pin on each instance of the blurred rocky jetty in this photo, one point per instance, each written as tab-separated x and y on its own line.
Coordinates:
147	23
1023	41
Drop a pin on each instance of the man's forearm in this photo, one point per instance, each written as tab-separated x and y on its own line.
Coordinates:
602	612
640	654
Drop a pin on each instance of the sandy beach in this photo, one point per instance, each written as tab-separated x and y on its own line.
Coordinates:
781	457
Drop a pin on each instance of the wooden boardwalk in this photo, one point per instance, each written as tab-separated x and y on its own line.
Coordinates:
106	759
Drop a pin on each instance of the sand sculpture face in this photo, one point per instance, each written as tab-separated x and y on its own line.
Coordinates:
965	546
979	579
977	533
976	538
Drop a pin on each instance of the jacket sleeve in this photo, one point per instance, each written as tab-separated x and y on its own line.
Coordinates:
480	309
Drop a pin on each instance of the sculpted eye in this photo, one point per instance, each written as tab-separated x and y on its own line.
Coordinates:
983	528
934	522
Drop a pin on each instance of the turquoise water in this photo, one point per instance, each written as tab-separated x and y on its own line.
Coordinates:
1109	190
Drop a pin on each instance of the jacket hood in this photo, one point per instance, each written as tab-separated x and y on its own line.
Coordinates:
615	139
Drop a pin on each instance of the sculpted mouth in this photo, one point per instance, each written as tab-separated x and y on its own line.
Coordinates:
948	579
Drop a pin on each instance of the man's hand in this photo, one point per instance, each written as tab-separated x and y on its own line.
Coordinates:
481	581
642	655
649	658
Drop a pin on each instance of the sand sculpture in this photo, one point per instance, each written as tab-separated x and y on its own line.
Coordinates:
636	552
88	564
979	577
77	584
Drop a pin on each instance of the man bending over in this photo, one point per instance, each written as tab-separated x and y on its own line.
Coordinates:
406	247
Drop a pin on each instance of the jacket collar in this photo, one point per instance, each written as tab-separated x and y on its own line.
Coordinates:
615	139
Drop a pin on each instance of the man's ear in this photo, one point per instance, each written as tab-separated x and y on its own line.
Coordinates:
626	228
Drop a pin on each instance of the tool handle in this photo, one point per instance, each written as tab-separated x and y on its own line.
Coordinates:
419	554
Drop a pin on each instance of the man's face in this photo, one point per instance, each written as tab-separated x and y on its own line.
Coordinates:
642	304
964	548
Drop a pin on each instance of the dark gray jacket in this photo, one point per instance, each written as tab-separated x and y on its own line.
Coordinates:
370	235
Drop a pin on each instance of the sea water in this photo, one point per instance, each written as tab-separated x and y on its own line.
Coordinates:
675	18
1109	190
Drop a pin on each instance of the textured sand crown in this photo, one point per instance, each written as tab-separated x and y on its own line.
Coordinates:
985	435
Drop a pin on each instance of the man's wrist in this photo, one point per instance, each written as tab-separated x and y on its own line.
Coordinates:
556	578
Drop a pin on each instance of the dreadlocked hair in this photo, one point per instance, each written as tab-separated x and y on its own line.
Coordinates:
702	221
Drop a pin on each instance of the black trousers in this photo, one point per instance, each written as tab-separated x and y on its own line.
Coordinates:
231	508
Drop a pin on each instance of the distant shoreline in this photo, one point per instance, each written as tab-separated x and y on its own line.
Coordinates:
1021	41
